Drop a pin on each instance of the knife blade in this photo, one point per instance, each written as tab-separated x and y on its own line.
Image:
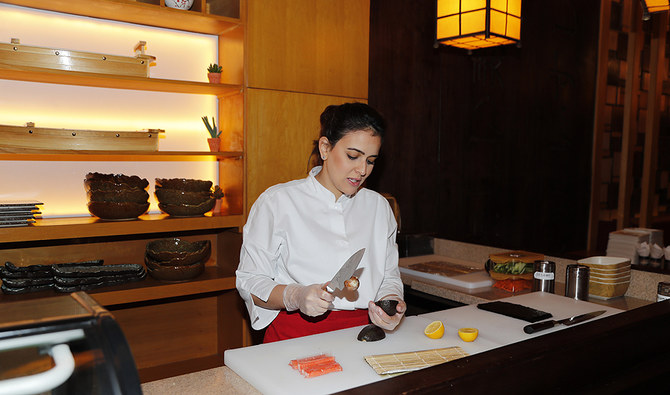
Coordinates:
346	271
540	326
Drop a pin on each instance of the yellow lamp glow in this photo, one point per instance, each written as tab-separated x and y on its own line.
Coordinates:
651	6
473	24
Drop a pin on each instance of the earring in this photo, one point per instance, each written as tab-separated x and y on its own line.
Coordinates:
323	157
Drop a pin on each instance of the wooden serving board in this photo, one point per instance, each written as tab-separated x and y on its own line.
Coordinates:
448	273
17	55
30	137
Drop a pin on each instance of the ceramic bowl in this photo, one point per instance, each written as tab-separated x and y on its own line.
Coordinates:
121	196
607	290
605	262
117	211
188	210
131	181
609	272
174	273
184	184
176	196
610	279
178	251
106	186
179	4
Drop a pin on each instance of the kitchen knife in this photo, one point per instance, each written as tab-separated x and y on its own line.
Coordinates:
346	271
540	326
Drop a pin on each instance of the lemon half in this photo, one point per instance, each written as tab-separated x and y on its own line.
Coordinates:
468	334
434	330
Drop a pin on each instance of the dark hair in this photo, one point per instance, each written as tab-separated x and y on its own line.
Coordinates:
338	121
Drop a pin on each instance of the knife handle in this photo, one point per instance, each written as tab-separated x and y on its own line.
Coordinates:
540	326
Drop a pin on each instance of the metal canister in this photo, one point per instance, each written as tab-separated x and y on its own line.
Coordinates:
577	282
543	276
663	292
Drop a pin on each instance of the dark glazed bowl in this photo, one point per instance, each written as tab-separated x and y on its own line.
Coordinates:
184	184
178	252
120	196
117	211
107	186
188	210
131	181
179	197
174	273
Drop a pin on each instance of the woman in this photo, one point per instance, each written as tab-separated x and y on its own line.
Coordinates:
299	234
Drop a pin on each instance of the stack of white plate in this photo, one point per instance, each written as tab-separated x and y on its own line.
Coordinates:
609	276
623	243
18	212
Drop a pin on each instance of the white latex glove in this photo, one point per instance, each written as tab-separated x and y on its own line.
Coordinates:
379	318
311	300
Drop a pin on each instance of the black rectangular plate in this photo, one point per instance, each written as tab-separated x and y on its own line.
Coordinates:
515	311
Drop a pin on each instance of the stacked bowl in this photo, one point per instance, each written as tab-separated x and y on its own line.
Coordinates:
116	196
183	197
175	259
609	276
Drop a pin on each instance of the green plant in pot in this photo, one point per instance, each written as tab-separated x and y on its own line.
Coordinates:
214	73
214	140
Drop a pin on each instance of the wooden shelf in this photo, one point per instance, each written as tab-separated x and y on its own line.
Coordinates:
137	156
33	74
137	13
82	227
214	279
203	313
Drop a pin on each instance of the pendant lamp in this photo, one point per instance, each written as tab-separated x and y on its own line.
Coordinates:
473	24
650	6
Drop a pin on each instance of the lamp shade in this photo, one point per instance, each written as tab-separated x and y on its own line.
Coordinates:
473	24
657	5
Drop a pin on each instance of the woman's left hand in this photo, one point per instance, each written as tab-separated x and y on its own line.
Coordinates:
381	319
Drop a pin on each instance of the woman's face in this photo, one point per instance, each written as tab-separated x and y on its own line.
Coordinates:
347	164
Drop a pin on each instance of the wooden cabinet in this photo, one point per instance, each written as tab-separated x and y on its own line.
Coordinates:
309	46
302	55
172	328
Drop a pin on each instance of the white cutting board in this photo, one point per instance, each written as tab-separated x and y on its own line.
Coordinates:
506	330
266	366
472	280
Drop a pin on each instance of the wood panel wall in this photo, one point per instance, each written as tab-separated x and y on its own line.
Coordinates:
285	125
302	55
492	147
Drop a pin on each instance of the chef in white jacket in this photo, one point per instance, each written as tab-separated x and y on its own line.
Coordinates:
299	234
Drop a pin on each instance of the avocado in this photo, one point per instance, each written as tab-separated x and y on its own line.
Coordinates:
371	333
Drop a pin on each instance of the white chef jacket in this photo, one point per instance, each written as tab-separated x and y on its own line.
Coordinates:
298	233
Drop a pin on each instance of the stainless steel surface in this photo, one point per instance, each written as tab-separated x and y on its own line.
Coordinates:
346	271
577	282
544	276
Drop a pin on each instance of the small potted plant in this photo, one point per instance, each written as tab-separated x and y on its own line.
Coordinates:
214	73
214	140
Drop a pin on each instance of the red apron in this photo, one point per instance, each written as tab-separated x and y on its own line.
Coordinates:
295	324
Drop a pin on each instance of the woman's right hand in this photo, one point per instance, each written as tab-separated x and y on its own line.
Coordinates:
312	300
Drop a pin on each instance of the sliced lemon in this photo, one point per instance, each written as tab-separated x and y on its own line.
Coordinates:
434	330
468	334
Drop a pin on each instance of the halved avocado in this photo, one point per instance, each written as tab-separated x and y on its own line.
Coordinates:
388	305
371	333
